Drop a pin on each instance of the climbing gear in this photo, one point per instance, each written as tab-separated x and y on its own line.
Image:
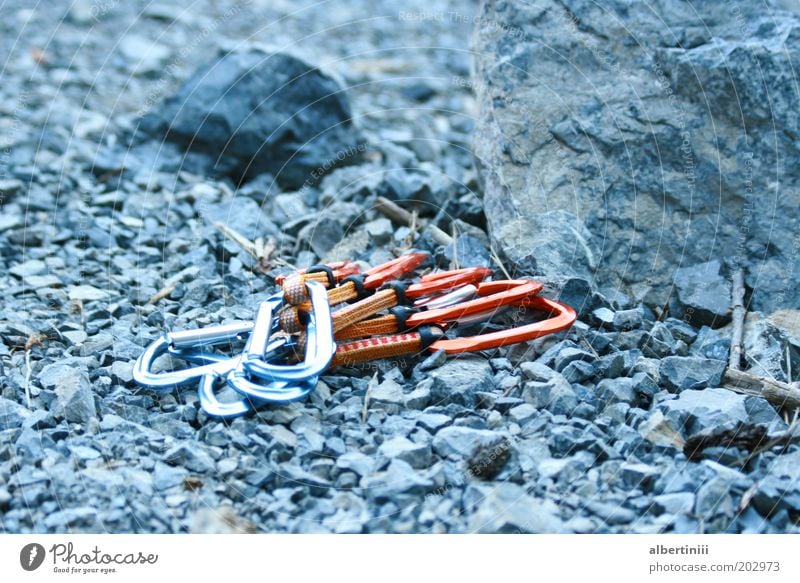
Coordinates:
297	334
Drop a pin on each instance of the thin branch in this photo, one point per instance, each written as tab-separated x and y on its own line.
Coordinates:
28	373
455	262
499	263
778	393
739	312
237	238
162	293
261	250
400	215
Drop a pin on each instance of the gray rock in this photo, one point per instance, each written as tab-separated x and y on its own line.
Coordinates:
252	112
191	456
417	455
399	478
681	330
681	373
468	251
5	498
611	513
242	214
166	476
435	360
87	293
702	295
556	395
713	498
603	317
420	396
611	391
70	517
570	355
31	445
28	268
677	503
579	371
662	431
766	347
221	520
74	396
460	441
628	319
12	414
780	488
659	343
322	235
645	385
536	371
357	462
433	421
459	380
144	54
710	344
637	475
699	411
389	392
380	230
641	105
9	187
122	371
521	414
507	508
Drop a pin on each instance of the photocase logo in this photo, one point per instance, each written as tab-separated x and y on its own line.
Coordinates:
31	556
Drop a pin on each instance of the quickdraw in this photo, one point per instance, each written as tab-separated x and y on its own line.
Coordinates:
296	335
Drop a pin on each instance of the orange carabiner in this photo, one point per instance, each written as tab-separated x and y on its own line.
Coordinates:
430	337
492	295
562	318
379	275
443	281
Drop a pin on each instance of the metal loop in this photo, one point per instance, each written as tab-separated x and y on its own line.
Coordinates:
320	347
165	381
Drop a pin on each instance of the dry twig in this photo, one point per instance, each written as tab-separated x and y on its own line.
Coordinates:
499	263
778	393
400	215
259	249
735	360
162	293
28	372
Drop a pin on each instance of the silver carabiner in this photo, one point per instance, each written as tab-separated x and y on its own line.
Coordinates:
213	407
320	348
287	383
320	344
176	341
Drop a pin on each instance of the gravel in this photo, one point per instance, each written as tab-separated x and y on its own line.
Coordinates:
103	208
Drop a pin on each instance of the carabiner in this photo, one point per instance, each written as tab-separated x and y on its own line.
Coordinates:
320	345
281	391
563	317
165	381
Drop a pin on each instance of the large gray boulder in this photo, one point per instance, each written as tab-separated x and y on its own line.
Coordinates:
621	141
249	111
